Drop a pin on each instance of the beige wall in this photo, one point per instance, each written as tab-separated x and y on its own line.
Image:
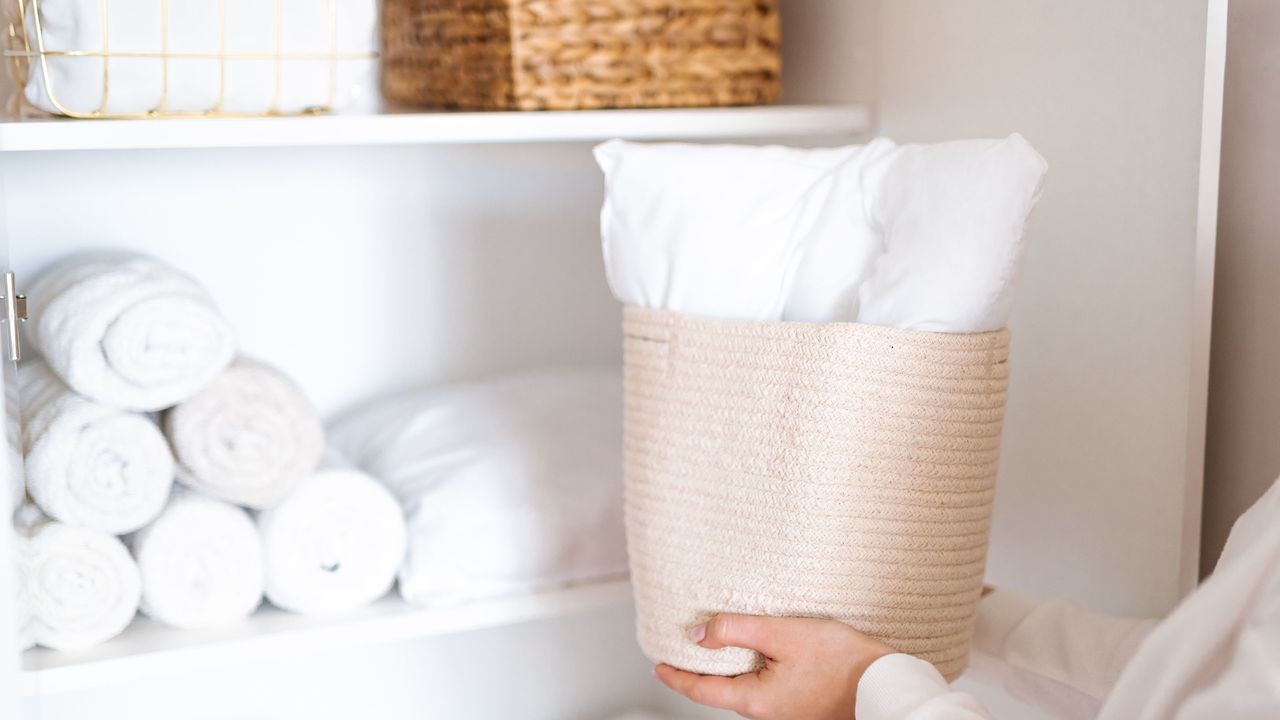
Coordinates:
1243	452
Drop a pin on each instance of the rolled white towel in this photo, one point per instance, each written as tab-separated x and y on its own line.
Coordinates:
248	438
334	545
88	464
201	563
129	331
82	586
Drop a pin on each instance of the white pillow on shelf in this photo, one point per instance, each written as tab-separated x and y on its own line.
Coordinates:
509	485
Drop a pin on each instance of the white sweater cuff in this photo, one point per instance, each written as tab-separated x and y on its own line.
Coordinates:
895	685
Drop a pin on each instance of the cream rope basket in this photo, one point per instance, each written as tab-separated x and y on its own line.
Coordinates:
827	470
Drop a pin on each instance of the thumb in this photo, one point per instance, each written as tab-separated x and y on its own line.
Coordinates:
765	635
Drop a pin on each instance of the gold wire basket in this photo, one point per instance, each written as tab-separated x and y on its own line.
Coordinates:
190	58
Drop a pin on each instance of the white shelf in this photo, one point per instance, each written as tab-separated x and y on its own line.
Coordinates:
147	649
405	128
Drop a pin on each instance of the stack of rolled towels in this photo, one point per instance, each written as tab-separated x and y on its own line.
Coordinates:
165	472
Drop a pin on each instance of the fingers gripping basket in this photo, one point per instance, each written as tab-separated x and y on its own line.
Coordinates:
799	469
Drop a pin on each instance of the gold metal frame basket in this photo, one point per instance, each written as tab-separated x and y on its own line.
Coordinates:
26	46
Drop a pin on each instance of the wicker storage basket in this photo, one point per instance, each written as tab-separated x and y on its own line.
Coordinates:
577	54
798	469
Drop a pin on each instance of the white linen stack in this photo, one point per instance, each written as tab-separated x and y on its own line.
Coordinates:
509	485
128	331
919	237
201	563
124	335
81	586
87	464
200	84
249	437
334	544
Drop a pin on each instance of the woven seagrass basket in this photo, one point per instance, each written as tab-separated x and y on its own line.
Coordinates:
579	54
827	470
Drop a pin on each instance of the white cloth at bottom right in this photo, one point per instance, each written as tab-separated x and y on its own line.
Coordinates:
509	485
1216	656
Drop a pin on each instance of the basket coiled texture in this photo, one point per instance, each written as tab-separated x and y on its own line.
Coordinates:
578	54
829	470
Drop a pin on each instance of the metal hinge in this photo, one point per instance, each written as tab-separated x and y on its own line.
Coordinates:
15	311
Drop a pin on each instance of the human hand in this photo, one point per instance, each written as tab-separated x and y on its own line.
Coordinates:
811	672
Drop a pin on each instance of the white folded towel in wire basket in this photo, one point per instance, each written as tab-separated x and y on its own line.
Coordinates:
143	58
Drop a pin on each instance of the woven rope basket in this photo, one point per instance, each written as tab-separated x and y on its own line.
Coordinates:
577	54
826	470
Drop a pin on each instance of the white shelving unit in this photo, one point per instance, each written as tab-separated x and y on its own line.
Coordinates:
148	649
412	128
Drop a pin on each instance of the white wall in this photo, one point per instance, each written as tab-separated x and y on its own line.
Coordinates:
1243	454
1091	505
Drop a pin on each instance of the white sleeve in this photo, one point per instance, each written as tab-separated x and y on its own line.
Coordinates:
902	687
1053	655
1246	686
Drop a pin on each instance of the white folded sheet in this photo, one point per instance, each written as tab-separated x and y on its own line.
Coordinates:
82	586
334	545
510	485
924	237
201	563
128	331
248	438
88	464
247	85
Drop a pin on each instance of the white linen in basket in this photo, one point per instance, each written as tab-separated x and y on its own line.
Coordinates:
248	85
953	217
81	586
201	563
127	330
248	438
88	464
919	237
334	545
731	231
510	485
